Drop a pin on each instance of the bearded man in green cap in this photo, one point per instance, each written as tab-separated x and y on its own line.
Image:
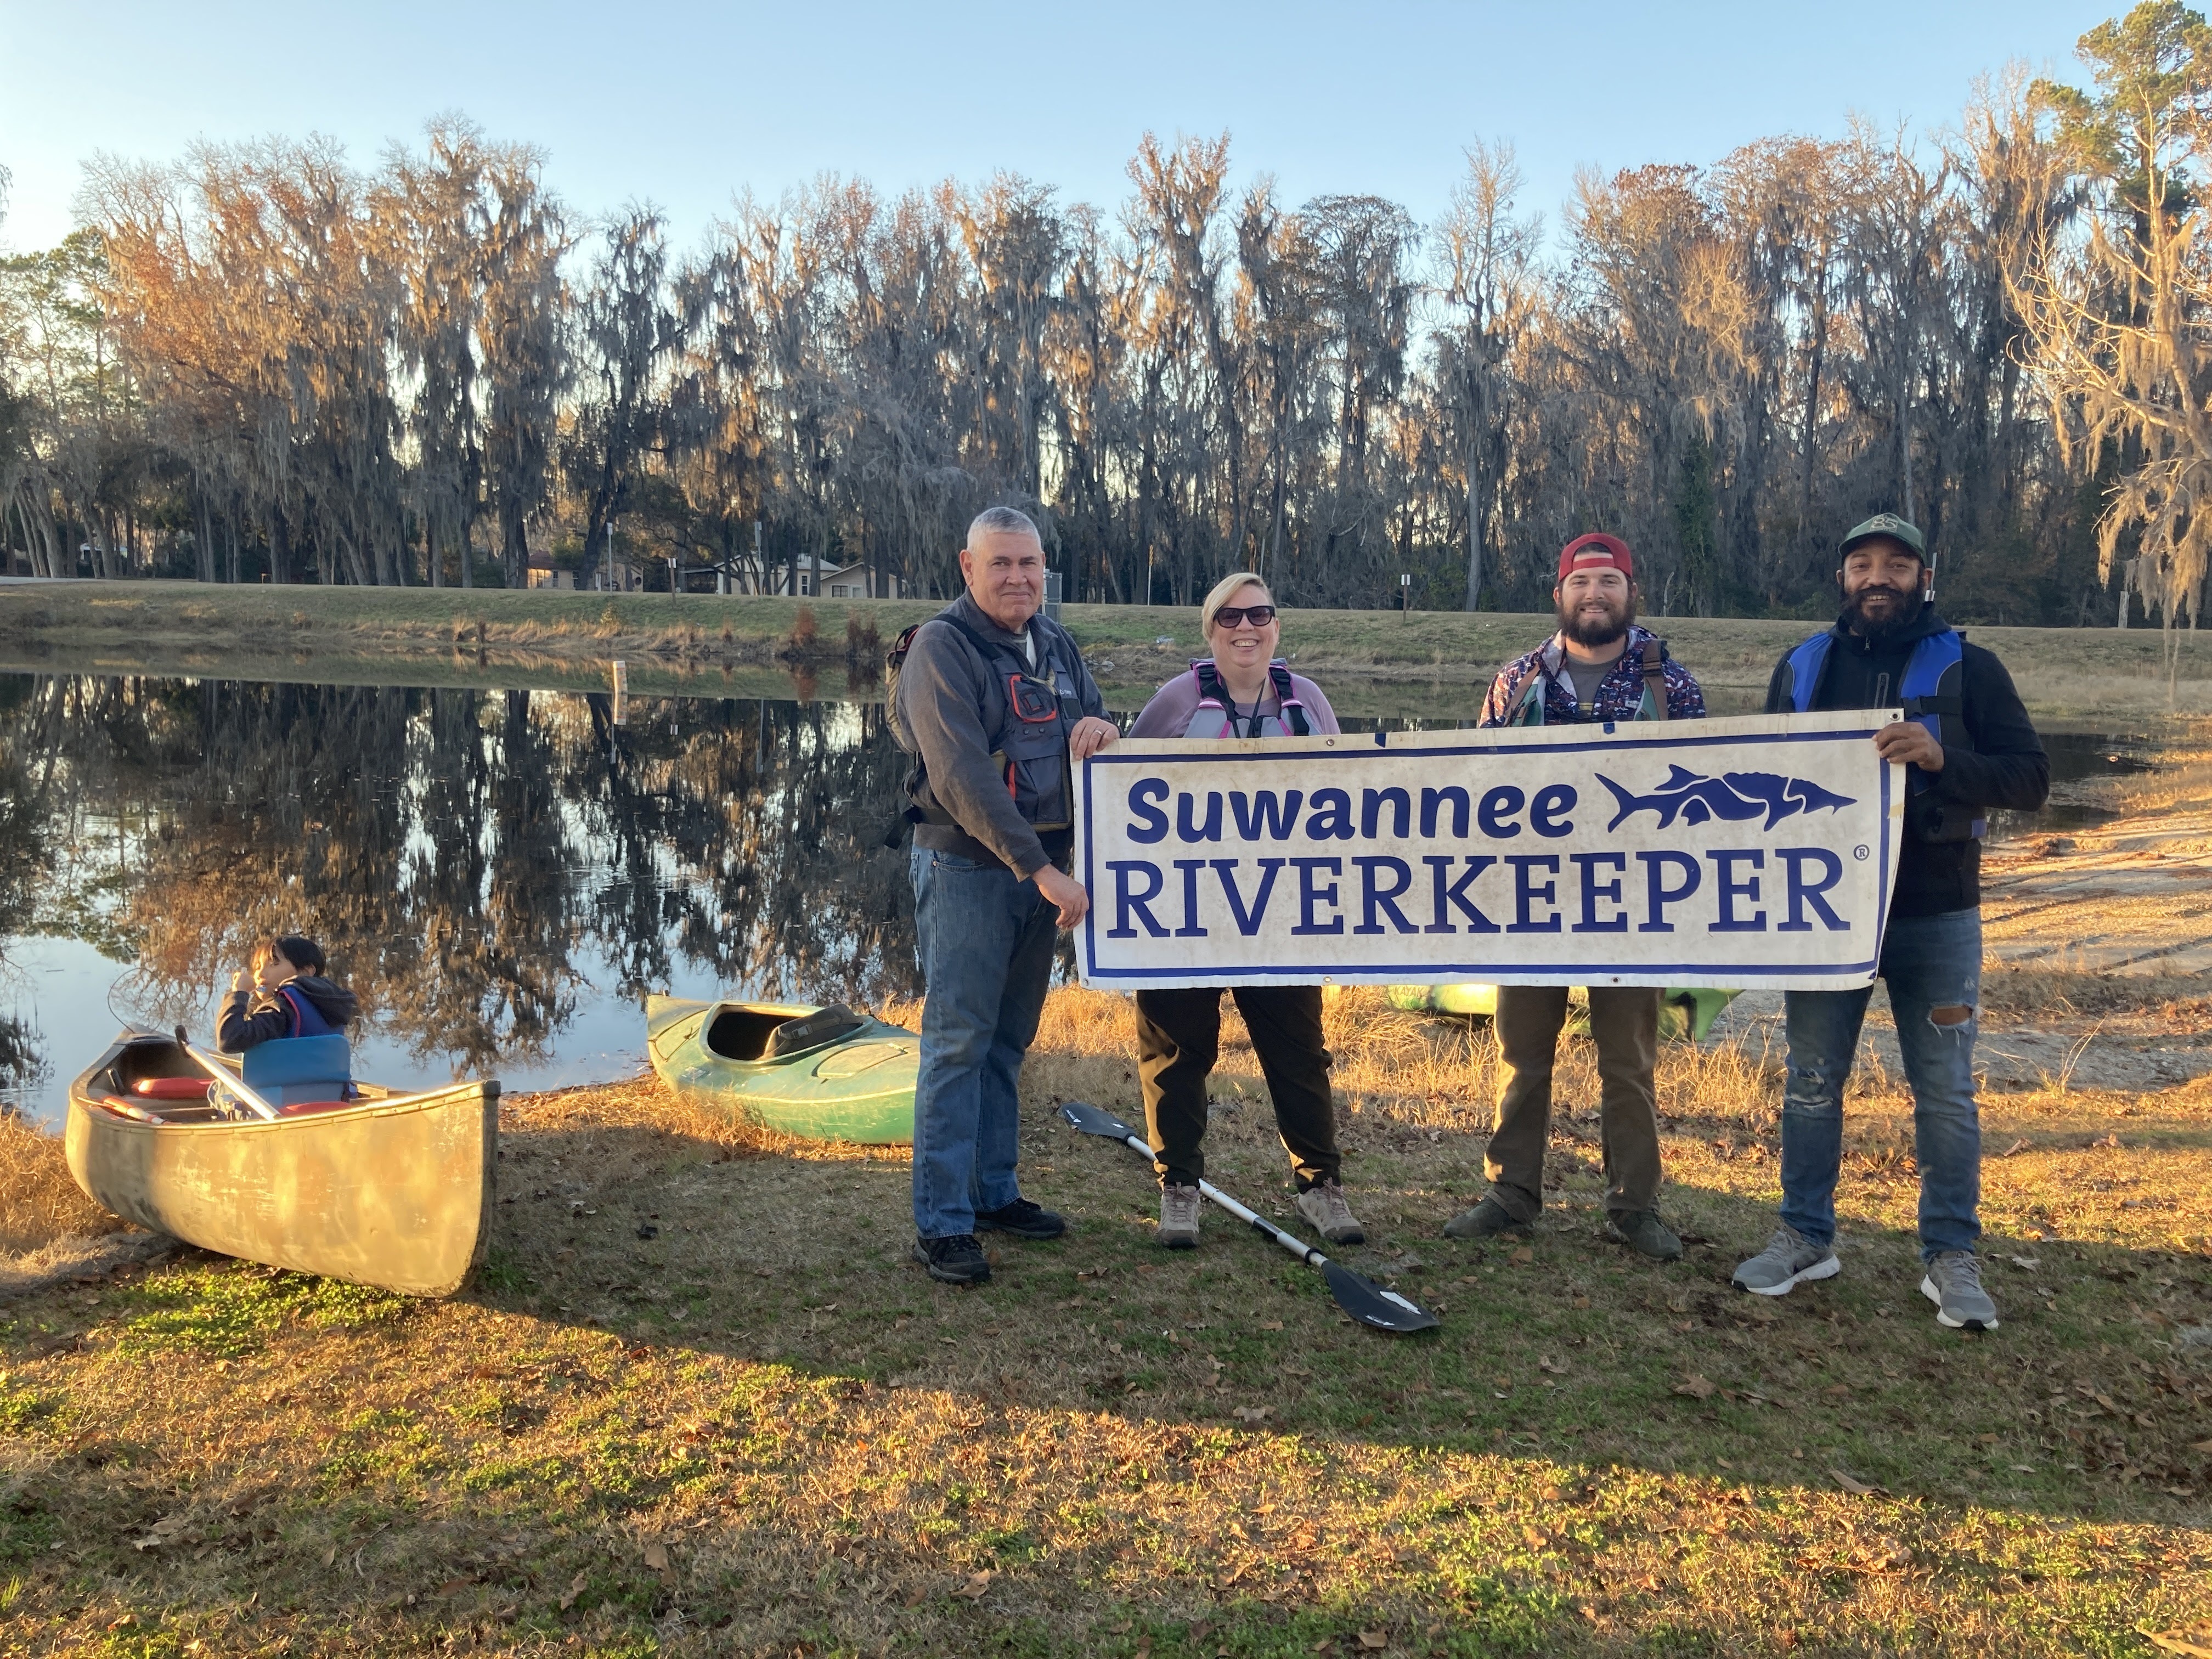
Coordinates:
1966	746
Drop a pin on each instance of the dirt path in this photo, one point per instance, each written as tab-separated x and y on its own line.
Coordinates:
2096	944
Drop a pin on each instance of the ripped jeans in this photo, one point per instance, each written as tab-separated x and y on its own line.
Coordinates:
1933	967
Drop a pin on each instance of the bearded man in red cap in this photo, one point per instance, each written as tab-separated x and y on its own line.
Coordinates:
1599	667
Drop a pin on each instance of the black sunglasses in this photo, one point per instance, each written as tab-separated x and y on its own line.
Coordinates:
1236	615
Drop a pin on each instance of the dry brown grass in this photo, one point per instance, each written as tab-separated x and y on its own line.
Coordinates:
40	1204
758	1430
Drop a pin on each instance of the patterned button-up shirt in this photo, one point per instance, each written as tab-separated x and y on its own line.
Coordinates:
1619	694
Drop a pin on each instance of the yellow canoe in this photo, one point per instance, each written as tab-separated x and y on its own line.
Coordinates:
393	1190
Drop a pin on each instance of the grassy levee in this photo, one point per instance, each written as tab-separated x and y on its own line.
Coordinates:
1370	661
700	1403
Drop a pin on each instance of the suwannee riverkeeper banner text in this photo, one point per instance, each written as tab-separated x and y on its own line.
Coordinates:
1744	852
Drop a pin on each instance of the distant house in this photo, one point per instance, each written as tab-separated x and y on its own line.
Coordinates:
543	574
852	581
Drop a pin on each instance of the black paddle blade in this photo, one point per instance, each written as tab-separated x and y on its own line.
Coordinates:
1095	1121
1370	1304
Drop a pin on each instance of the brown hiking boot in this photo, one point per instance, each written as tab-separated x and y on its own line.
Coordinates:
1179	1217
1325	1211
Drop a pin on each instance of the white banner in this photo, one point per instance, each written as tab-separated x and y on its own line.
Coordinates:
1736	853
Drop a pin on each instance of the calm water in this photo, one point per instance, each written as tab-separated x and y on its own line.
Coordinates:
501	875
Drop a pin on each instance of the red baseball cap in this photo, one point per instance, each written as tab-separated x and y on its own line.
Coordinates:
1596	552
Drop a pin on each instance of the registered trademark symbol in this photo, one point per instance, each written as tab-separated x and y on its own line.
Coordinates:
1860	853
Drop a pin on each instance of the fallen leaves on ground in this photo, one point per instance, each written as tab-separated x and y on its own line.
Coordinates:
1697	1385
575	1588
977	1583
1850	1483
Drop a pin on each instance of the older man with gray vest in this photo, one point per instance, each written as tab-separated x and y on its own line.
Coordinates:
994	701
1967	745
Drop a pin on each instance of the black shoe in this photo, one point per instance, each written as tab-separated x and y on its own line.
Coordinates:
1486	1221
1643	1231
1022	1219
955	1260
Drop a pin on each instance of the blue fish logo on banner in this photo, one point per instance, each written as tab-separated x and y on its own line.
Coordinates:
1734	796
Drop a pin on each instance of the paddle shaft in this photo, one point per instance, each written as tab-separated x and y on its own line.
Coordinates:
222	1075
1252	1219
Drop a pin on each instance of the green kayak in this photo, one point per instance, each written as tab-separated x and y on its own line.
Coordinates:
1684	1011
822	1074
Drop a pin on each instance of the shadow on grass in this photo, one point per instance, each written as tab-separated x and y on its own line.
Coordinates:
2080	1405
701	1401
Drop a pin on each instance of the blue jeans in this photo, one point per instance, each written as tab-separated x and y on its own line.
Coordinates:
1931	964
986	941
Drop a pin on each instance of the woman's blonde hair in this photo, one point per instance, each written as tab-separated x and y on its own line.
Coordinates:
1225	590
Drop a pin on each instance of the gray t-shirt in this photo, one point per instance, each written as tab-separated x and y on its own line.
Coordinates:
1587	677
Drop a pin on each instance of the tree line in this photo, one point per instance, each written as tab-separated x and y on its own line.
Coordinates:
263	360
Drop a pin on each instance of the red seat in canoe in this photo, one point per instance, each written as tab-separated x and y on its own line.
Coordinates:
170	1088
304	1108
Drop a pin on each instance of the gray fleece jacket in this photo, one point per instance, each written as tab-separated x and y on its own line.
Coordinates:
951	702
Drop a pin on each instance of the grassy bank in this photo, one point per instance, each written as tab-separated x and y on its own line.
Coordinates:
699	1403
1375	662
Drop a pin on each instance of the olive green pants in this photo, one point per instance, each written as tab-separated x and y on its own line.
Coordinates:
1625	1022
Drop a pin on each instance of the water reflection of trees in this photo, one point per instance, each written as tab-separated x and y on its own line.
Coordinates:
26	773
465	856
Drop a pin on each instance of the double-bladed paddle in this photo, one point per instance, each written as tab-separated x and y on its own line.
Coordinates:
1360	1297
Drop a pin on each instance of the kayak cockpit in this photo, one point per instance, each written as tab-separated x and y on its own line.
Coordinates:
756	1033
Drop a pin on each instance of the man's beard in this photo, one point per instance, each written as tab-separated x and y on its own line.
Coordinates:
1593	630
1875	630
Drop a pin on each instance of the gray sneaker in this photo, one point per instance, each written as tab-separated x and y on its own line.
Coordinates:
1788	1259
1643	1231
1323	1206
1954	1283
1179	1217
1486	1221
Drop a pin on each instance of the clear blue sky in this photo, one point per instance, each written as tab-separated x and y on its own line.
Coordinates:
683	102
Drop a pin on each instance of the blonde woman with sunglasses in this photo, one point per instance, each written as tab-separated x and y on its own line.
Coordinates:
1242	691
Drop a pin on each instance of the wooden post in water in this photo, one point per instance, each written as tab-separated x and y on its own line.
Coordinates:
622	690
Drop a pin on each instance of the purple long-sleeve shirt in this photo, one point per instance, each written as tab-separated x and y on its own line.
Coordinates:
1168	714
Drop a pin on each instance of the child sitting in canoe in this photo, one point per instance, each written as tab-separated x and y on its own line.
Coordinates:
288	997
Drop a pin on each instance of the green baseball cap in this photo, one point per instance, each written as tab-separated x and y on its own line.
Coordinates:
1889	524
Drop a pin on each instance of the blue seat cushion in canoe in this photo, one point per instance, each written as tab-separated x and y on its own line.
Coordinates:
287	1070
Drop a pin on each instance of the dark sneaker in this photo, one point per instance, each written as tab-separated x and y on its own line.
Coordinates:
1643	1233
1022	1219
1179	1217
1788	1259
955	1260
1954	1283
1325	1211
1486	1221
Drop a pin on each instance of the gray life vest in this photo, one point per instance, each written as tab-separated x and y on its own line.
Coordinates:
1038	709
1216	714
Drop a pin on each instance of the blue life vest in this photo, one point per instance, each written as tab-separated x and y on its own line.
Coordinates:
1216	714
286	1071
1929	695
307	1020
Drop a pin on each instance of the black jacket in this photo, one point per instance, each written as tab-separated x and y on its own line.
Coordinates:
236	1031
2006	766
